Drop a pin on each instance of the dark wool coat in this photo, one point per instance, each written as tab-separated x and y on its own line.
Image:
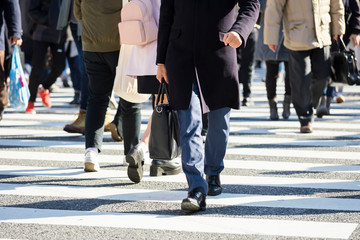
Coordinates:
9	14
45	13
189	45
352	18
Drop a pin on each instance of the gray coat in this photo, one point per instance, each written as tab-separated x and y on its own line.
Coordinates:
262	51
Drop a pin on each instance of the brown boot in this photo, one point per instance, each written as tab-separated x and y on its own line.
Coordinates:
78	126
107	122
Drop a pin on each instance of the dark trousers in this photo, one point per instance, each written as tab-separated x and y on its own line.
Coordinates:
101	69
4	100
246	59
84	77
38	62
272	71
309	73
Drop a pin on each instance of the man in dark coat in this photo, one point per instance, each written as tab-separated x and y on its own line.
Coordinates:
44	14
197	44
9	15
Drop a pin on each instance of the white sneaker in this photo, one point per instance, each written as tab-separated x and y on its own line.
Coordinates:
91	163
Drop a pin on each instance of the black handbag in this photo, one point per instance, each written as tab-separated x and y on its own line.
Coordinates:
164	143
343	65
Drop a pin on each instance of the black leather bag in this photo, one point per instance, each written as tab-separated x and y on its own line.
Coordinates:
343	65
164	143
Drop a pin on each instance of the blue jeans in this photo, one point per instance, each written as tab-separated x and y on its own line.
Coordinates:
84	77
196	162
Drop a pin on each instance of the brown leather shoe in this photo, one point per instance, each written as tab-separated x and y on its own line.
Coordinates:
306	128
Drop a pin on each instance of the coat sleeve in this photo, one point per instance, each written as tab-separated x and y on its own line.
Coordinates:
354	21
165	23
246	19
77	10
272	20
13	21
337	17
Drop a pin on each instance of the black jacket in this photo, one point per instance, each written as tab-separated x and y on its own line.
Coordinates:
45	13
189	39
352	18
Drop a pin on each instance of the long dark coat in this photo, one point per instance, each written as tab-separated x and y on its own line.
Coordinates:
189	45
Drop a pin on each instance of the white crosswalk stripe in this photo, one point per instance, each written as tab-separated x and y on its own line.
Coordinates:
277	182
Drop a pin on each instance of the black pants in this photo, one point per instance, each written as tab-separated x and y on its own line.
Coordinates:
101	69
38	62
309	74
272	71
246	60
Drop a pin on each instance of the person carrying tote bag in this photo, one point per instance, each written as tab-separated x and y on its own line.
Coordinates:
141	65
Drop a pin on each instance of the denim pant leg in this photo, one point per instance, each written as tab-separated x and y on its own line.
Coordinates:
101	69
83	74
131	122
216	140
192	149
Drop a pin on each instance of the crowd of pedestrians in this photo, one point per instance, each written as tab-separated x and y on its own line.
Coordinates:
205	52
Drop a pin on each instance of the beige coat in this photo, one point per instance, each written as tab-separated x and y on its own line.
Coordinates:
308	24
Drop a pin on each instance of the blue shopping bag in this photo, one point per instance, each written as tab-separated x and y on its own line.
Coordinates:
18	90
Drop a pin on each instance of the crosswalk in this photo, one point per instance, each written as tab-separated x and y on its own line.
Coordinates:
278	183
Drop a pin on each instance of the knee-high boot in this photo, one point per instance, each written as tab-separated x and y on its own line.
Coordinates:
286	106
273	109
322	110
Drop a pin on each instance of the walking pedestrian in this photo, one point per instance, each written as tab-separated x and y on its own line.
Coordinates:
9	12
44	13
101	45
308	26
273	61
143	66
196	55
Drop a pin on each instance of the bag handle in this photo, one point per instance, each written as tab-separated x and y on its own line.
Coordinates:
163	89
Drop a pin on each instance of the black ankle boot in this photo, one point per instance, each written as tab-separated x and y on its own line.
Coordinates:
214	185
164	167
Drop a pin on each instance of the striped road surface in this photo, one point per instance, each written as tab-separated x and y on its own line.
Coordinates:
278	183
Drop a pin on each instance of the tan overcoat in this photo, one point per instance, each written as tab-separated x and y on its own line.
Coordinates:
308	24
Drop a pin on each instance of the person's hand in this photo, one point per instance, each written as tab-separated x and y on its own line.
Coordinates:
15	41
273	47
355	38
232	39
161	73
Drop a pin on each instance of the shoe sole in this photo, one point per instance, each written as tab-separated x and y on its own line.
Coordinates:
135	168
90	167
114	133
71	130
159	171
191	206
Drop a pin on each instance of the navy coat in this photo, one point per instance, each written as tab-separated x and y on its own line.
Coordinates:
45	13
189	45
10	12
352	14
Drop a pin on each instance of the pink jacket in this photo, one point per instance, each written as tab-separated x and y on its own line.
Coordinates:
142	61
